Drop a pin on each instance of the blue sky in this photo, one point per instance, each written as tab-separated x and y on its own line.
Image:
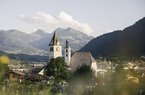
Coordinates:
93	17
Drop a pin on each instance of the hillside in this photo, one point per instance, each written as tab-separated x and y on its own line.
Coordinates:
127	42
25	57
14	41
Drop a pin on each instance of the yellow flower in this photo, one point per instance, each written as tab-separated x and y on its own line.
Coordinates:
4	59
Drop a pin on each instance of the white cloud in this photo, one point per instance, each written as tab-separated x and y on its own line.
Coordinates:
49	22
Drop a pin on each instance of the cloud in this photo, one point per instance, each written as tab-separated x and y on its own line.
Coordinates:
49	22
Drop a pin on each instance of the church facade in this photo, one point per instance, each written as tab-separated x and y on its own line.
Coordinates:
73	61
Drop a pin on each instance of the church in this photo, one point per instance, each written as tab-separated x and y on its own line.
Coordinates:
73	61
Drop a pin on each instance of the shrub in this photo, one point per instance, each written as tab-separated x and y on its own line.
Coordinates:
4	60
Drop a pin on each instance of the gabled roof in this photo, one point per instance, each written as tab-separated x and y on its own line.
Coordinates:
18	73
54	40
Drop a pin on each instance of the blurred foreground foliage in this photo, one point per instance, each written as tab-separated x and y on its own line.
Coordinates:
4	60
82	81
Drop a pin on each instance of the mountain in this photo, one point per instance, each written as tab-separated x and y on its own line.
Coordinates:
25	57
14	41
76	38
36	43
42	41
127	42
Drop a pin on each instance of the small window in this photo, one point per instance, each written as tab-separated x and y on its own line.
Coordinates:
66	55
66	50
51	48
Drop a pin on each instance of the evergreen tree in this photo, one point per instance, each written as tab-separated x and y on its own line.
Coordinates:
58	69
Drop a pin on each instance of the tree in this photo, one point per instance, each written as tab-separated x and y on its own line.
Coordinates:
85	75
58	69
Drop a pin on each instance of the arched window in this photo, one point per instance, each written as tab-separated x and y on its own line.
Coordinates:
66	55
66	50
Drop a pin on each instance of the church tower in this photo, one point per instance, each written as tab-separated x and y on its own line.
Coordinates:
55	48
67	54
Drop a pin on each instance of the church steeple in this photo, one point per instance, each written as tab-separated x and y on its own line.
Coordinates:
67	44
55	40
67	55
55	48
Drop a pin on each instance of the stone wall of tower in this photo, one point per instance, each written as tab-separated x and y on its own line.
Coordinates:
55	51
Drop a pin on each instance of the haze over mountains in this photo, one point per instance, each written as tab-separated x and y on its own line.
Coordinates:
127	42
36	43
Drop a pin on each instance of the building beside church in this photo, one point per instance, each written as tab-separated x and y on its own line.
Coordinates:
73	61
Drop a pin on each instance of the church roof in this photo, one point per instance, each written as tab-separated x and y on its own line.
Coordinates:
80	58
54	40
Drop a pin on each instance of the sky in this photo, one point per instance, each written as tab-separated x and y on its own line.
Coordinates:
93	17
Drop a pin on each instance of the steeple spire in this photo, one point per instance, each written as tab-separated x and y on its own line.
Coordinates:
54	40
67	44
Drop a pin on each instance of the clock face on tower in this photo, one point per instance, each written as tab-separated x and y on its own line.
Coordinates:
57	49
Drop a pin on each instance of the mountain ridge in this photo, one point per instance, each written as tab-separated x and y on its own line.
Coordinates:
127	42
36	43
